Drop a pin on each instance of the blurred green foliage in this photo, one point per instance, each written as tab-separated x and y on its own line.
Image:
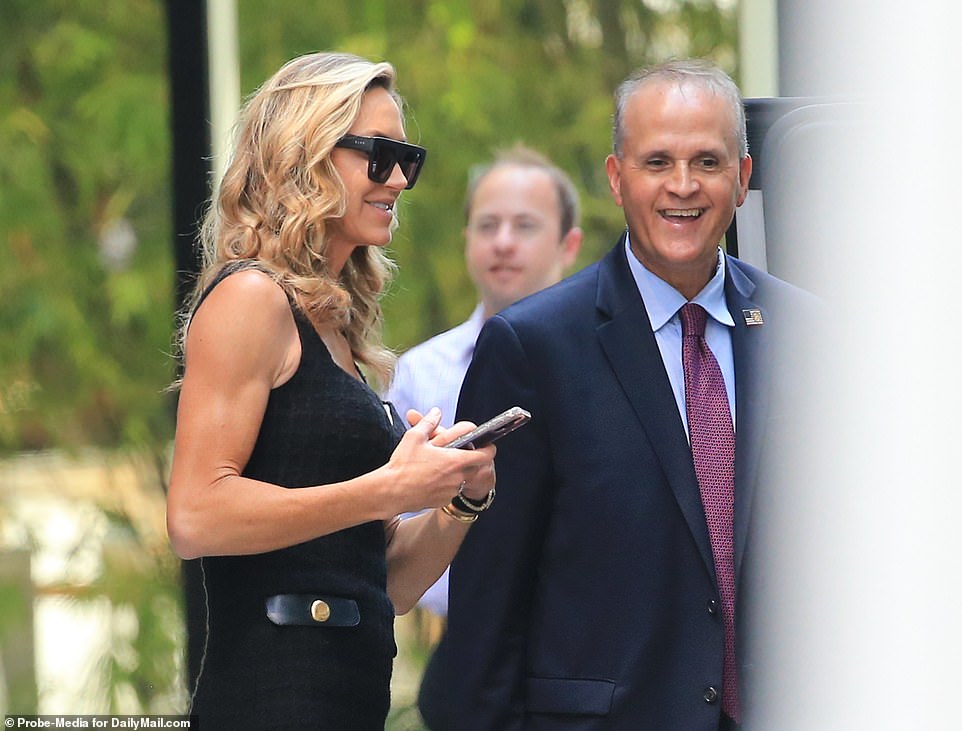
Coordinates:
85	201
86	277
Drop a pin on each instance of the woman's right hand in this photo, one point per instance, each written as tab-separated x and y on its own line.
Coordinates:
426	474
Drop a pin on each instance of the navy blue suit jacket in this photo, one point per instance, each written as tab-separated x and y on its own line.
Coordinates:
585	598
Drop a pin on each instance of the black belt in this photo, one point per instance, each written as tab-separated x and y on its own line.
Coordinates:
312	610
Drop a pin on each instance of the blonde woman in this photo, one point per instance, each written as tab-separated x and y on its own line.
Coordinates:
289	472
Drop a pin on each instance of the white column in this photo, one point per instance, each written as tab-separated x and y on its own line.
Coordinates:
224	71
863	607
758	48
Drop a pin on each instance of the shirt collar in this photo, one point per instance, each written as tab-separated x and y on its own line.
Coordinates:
470	329
662	300
712	295
477	319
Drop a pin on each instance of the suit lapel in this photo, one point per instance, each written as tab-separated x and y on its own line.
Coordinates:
751	346
625	335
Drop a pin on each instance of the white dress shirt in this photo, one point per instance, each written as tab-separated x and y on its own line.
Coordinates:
430	374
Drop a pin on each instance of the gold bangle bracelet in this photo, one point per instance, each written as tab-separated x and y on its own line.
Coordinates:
458	516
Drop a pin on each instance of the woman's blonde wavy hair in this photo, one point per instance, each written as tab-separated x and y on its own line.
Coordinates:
280	190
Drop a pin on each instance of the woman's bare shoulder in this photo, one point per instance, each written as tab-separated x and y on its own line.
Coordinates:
250	295
245	317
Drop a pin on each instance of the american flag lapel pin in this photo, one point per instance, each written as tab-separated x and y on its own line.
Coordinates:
753	317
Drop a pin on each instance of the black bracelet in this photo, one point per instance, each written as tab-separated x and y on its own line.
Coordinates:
468	505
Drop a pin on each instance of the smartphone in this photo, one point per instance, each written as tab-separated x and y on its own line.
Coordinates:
489	431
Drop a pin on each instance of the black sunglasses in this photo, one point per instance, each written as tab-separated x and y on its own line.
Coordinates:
383	154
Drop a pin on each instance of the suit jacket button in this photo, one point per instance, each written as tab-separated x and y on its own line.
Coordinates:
712	606
710	695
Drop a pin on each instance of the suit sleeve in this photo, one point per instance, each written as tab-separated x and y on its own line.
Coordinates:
494	574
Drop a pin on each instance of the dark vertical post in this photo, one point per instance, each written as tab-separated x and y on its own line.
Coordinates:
190	129
190	115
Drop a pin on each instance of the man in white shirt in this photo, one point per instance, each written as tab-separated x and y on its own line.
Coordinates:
521	235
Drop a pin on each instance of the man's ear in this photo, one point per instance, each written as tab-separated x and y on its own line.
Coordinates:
613	168
744	175
570	246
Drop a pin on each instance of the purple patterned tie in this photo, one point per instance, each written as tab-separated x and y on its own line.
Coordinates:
713	451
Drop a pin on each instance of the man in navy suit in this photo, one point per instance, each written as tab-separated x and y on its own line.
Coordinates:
586	597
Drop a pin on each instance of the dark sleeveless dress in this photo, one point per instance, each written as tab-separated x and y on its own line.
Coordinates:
322	426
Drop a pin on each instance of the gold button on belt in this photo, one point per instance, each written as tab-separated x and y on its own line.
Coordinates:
320	610
312	610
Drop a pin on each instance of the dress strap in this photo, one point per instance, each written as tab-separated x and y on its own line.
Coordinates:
232	267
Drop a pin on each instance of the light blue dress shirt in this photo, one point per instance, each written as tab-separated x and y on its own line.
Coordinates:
663	302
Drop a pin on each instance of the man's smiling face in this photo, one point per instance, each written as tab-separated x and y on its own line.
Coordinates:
679	179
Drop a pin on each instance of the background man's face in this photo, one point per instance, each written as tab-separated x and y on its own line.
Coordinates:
513	242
